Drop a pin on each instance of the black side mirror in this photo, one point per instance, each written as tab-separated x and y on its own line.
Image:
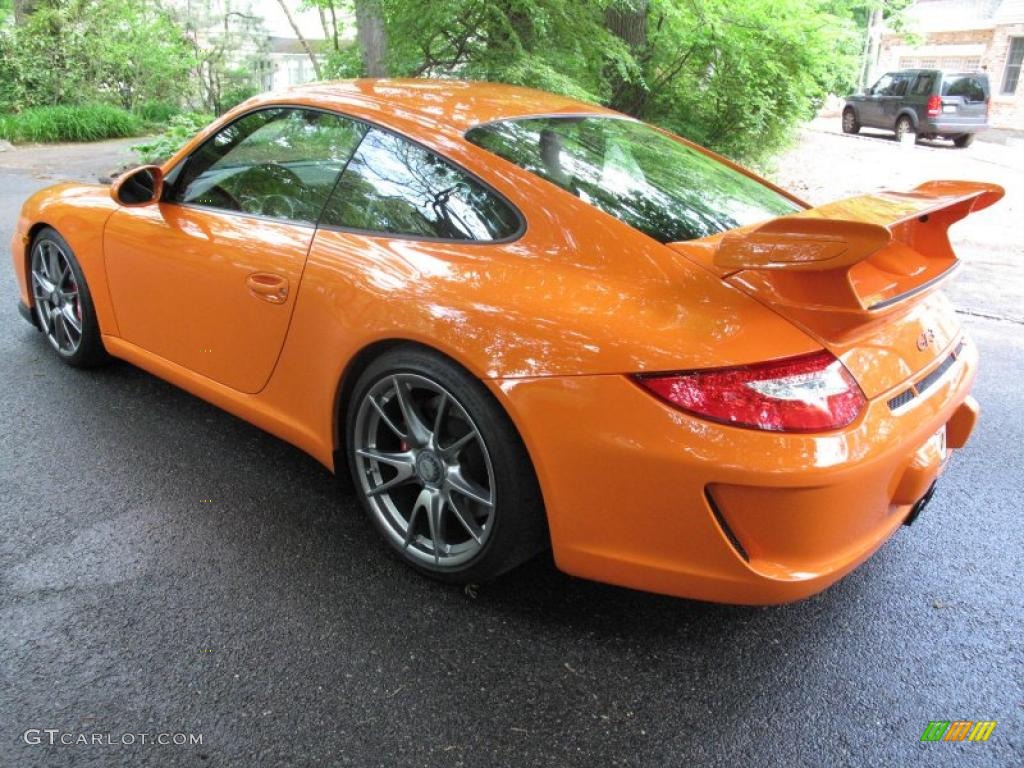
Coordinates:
141	186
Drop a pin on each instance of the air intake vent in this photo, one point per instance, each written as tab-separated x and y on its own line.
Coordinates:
901	399
927	382
930	380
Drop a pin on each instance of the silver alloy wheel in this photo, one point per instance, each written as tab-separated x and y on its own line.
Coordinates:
56	293
425	470
903	127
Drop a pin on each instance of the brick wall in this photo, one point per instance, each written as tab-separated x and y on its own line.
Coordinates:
1006	110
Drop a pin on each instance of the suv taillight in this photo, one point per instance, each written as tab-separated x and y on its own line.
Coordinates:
934	106
810	393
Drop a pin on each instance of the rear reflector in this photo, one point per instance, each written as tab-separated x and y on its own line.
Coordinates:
810	393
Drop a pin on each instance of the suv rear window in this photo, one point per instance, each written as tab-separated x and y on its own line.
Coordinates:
971	88
637	174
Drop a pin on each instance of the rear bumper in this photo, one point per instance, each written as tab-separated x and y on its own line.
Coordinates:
950	126
643	496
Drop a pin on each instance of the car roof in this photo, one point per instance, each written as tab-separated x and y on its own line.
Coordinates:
944	72
458	104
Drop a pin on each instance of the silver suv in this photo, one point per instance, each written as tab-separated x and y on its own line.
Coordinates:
927	102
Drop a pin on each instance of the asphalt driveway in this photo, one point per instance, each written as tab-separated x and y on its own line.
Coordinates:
168	569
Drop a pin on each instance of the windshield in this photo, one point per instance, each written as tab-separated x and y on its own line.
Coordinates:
640	176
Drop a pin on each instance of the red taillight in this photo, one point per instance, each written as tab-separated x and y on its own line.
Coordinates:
810	393
934	106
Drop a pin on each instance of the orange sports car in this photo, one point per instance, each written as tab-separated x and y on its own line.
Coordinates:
519	322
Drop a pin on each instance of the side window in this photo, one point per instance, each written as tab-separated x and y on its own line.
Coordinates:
393	186
281	163
1014	61
923	85
883	87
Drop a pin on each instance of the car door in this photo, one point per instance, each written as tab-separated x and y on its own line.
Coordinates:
208	278
871	110
893	100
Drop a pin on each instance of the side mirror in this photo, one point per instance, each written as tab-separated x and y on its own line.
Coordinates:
141	186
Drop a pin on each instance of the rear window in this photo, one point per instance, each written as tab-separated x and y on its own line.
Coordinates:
635	173
970	88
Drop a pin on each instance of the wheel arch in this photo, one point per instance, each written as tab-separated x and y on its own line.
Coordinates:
908	112
26	256
359	363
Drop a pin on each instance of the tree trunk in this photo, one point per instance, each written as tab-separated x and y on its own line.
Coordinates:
302	40
23	9
627	19
334	27
372	37
874	41
323	22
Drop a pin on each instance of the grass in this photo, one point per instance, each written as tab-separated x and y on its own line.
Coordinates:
156	112
88	122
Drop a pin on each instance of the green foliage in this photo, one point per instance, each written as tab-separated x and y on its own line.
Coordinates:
88	122
83	51
179	130
238	91
736	75
740	76
156	112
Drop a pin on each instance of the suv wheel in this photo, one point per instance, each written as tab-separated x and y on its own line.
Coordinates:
850	124
904	126
964	140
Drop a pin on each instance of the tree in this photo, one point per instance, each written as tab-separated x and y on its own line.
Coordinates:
737	75
75	51
228	54
301	38
372	36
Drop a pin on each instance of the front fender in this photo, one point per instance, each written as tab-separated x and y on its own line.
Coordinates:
78	212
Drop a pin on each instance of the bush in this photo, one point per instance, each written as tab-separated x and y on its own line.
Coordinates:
89	122
179	130
156	112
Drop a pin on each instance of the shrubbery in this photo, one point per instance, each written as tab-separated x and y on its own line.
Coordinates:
156	112
180	129
88	122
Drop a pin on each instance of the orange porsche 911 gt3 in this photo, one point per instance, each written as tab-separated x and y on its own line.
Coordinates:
519	322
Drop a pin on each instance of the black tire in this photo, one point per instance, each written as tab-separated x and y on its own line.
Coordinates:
850	122
904	126
517	529
964	140
89	352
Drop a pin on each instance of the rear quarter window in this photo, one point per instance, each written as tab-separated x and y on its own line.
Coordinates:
923	85
650	181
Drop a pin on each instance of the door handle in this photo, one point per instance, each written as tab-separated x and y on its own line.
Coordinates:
268	286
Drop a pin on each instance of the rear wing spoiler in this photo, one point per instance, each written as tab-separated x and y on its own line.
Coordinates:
862	255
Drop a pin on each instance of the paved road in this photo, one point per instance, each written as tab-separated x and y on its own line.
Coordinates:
166	568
